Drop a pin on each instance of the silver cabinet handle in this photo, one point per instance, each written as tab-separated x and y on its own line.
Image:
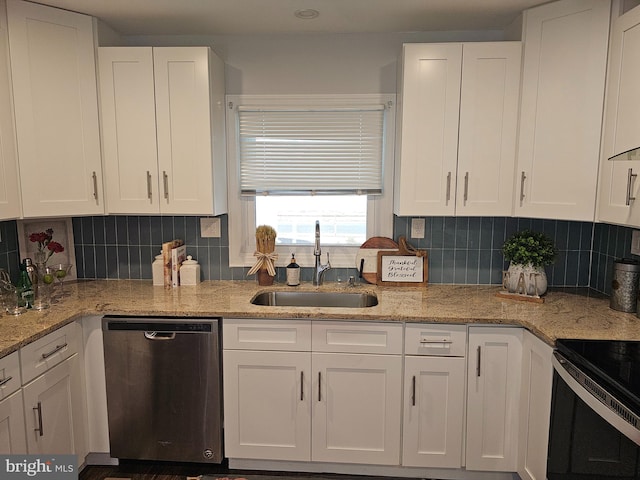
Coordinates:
479	357
165	183
466	187
149	195
448	186
54	351
413	391
630	177
319	386
94	177
5	380
523	177
38	410
429	342
301	386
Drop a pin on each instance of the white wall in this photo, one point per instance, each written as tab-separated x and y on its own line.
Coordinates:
312	63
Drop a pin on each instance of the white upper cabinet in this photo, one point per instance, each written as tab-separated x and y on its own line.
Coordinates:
163	130
618	181
457	129
563	77
9	186
488	126
56	110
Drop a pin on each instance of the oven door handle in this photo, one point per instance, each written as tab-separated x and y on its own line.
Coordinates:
558	362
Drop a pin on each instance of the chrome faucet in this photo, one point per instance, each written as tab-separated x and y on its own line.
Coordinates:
319	269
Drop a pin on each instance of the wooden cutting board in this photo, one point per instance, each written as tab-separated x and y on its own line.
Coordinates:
367	256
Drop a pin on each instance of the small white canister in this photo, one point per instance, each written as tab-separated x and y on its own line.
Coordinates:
190	272
157	269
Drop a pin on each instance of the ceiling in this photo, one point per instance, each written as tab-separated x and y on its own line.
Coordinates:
228	17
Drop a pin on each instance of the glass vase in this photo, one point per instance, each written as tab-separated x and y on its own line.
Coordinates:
43	287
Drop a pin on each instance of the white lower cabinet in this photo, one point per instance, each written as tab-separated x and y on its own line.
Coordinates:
284	401
434	385
442	399
493	398
12	434
535	408
356	408
53	410
267	405
53	391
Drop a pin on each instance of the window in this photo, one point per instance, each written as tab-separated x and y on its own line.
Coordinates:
343	218
297	159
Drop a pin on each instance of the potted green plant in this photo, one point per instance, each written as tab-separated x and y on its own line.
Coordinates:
528	252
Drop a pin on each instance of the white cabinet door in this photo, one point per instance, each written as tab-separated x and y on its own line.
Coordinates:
433	411
56	110
493	396
428	126
621	124
190	116
9	183
267	399
356	408
12	433
489	104
563	76
457	134
128	114
535	408
53	404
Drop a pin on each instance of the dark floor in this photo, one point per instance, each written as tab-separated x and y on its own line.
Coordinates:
180	471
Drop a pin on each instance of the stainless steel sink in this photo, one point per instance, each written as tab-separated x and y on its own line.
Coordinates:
315	299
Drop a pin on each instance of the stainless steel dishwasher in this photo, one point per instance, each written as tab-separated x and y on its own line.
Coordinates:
164	388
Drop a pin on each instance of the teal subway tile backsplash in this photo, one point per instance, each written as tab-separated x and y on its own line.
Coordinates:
469	249
461	249
9	251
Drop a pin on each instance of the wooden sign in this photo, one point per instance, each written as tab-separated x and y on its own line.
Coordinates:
404	267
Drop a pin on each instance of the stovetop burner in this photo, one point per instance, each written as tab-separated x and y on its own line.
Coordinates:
613	363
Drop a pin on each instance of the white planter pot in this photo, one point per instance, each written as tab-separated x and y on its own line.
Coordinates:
525	279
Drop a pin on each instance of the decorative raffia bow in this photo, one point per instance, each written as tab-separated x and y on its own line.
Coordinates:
264	260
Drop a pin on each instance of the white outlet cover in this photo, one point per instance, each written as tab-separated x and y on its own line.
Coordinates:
417	227
210	227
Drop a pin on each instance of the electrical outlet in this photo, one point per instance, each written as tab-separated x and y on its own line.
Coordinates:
417	227
210	227
635	242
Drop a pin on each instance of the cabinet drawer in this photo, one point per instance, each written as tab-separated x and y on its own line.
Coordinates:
9	375
46	352
435	340
258	334
357	337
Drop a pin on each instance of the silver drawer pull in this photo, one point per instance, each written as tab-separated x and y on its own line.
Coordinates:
38	410
630	180
413	391
427	342
5	380
54	351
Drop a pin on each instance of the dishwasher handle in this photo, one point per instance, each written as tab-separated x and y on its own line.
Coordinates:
160	335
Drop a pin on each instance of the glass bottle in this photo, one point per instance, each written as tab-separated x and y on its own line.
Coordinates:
293	272
24	289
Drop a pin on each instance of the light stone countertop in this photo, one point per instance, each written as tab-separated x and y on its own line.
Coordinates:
566	313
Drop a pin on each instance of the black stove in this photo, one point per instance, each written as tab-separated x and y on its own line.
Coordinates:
614	364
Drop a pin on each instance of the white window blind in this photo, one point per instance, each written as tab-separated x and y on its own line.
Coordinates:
289	151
